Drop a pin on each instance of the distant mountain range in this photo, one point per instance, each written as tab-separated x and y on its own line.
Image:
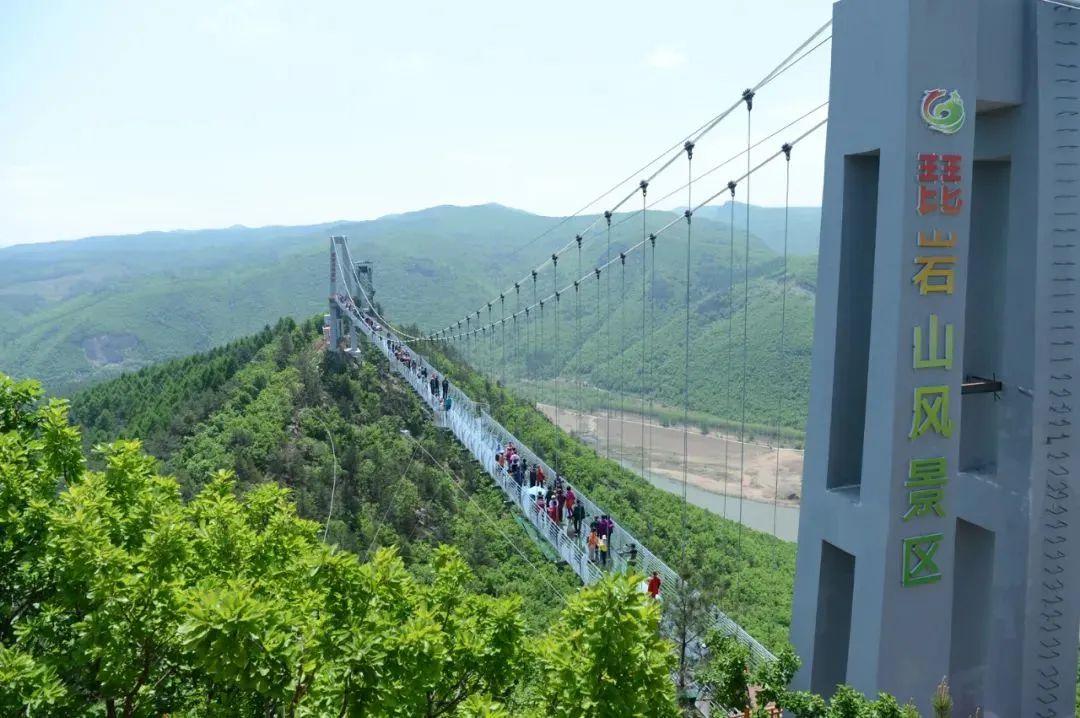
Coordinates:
75	312
767	223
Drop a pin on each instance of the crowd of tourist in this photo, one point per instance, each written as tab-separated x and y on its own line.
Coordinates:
549	495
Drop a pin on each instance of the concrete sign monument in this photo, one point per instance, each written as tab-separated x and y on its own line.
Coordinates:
939	522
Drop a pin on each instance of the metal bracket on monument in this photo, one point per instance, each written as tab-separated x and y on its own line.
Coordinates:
979	385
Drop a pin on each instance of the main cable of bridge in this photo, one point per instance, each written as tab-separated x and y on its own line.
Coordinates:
726	189
598	270
806	48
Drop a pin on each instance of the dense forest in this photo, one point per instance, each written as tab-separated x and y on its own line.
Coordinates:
118	597
274	408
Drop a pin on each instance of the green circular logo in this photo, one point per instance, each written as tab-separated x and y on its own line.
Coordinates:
943	111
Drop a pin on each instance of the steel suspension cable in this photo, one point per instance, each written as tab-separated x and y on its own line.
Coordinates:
580	349
652	331
517	330
795	57
686	350
607	326
749	98
644	313
534	342
681	218
502	324
540	361
599	318
557	354
730	344
781	358
622	353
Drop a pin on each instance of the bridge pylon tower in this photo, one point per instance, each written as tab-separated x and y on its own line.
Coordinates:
938	534
351	283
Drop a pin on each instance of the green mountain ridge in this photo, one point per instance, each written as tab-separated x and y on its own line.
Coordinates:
72	313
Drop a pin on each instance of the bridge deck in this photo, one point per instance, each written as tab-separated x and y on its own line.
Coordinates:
484	438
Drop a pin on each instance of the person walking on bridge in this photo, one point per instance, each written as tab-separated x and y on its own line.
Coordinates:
578	515
602	551
654	585
445	386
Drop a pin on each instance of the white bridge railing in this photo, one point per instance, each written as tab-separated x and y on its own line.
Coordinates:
484	438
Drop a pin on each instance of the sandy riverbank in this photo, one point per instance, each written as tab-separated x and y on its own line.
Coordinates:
714	458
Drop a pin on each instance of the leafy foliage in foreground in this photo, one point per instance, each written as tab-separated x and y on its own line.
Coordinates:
733	685
117	597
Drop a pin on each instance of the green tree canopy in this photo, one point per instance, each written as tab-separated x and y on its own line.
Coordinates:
120	598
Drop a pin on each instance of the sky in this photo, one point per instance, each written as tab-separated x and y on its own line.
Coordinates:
122	117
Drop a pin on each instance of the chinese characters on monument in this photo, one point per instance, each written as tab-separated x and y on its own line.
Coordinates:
940	202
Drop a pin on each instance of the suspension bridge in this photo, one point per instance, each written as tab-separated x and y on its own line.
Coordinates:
935	538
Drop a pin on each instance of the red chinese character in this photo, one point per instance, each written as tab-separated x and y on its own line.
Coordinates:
928	167
951	203
950	166
928	199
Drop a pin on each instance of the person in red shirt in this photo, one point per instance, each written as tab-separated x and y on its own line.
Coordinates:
654	585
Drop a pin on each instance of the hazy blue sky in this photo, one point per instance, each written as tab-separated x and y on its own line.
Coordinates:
127	116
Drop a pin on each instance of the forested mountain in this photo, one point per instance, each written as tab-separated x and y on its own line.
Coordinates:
76	312
272	407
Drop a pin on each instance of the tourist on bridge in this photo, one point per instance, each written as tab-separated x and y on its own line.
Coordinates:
593	542
447	404
654	585
631	558
445	386
423	372
578	515
602	551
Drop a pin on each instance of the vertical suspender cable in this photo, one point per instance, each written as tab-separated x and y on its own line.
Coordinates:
598	328
607	334
517	330
579	348
783	326
502	331
689	146
556	353
749	97
652	331
622	352
536	351
644	311
730	344
528	354
540	363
